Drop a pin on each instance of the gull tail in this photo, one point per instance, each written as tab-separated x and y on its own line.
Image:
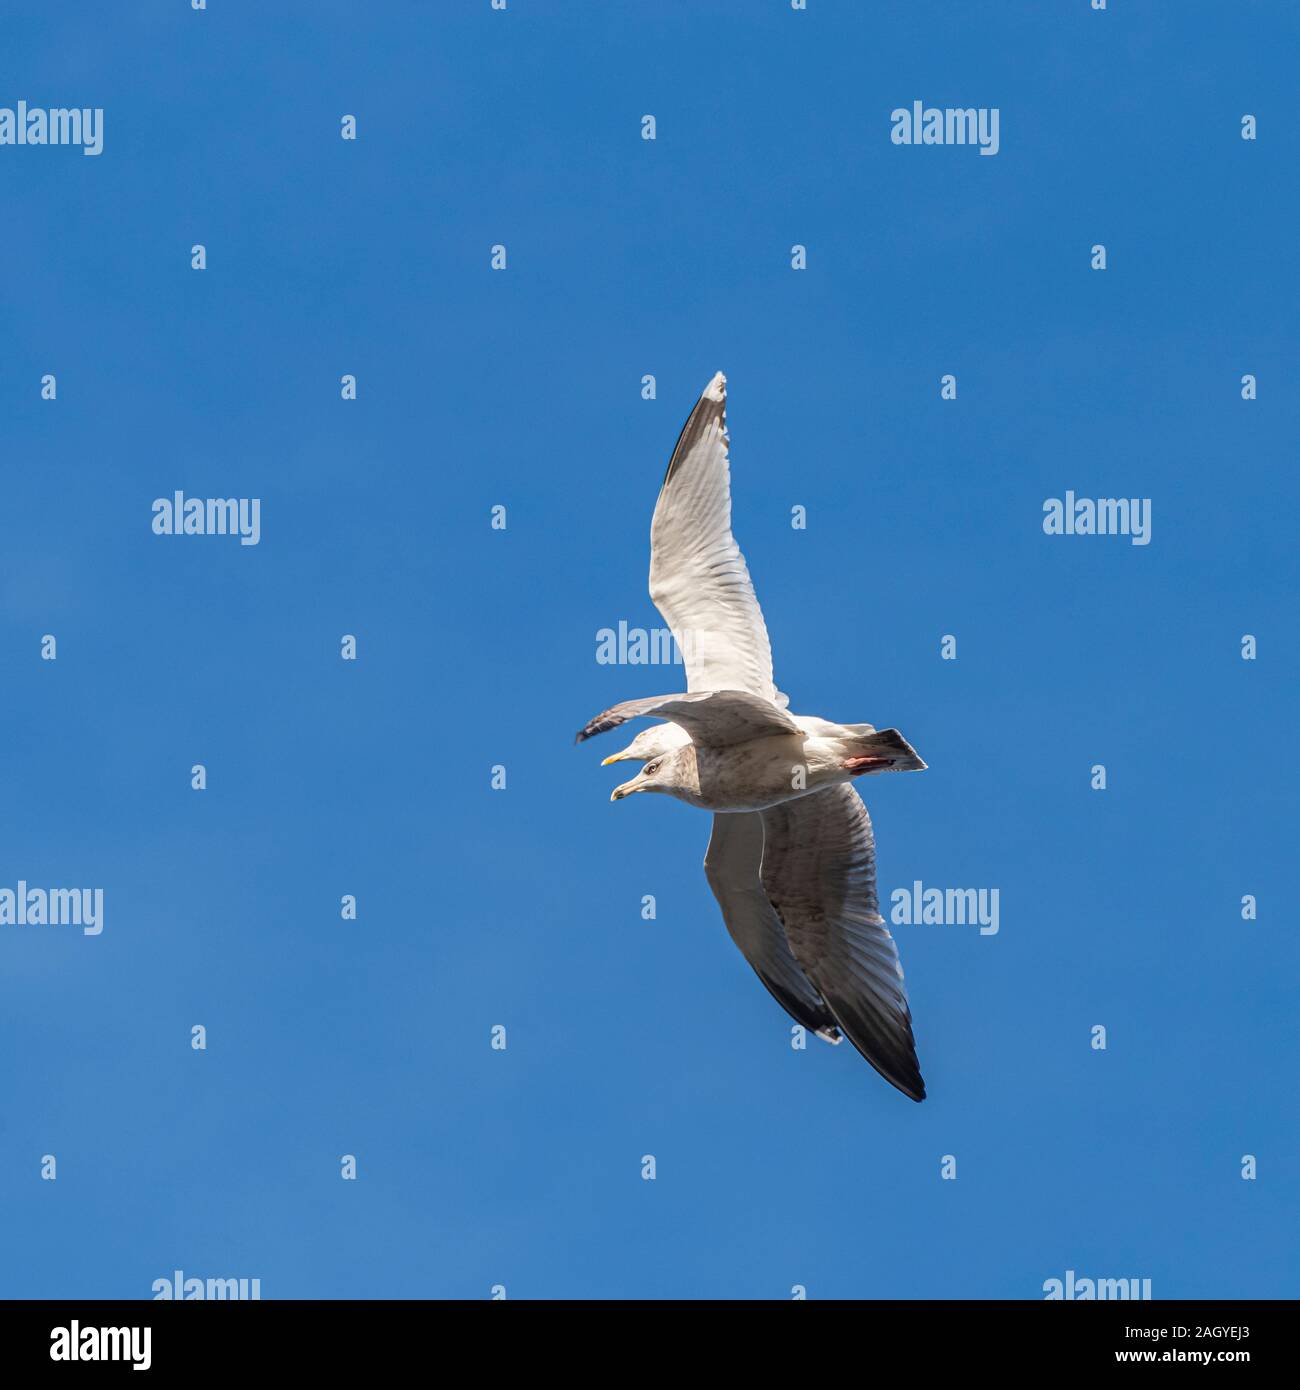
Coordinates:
886	751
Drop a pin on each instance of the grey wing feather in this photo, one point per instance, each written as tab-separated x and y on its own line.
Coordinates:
713	718
732	868
819	874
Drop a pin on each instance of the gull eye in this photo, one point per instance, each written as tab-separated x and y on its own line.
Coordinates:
650	769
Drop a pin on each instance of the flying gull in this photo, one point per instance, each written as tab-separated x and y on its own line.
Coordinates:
791	859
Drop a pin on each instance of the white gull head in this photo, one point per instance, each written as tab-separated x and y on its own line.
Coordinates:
652	743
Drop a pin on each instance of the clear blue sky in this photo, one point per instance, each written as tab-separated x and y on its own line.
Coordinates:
523	388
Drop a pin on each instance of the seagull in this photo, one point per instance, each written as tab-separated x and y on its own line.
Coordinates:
791	859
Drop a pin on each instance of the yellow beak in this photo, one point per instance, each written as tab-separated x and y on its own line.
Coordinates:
613	758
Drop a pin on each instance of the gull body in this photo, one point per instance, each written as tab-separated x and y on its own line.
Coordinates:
756	774
791	860
664	738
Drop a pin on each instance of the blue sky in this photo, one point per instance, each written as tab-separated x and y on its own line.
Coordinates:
477	647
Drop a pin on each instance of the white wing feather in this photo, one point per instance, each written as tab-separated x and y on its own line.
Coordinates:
698	577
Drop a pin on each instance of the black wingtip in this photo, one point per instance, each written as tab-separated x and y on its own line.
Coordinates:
894	1061
913	1090
711	406
911	1083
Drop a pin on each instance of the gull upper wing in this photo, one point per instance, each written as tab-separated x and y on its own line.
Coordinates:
819	873
698	577
713	718
731	865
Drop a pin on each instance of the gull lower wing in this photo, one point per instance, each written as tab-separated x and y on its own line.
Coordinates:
819	874
732	868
